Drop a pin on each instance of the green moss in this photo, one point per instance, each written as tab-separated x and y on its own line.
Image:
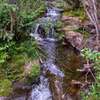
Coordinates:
34	74
83	31
5	87
35	71
76	13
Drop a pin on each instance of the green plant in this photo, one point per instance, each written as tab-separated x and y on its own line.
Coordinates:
35	71
93	56
17	19
30	48
3	53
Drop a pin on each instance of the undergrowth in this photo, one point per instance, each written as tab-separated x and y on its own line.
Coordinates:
94	57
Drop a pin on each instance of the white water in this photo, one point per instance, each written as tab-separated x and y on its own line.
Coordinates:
41	91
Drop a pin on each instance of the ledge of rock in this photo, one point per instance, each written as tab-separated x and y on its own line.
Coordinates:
75	38
70	23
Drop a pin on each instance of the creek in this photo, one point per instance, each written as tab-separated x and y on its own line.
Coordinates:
58	65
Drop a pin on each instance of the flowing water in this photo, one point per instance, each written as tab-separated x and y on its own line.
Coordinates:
58	66
59	63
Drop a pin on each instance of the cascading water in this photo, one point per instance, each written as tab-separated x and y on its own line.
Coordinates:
41	91
58	66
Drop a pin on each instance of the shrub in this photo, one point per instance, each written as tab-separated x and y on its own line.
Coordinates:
17	19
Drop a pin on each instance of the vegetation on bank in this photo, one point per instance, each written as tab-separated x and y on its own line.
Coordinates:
94	58
16	47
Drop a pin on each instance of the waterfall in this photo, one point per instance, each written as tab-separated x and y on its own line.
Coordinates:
41	91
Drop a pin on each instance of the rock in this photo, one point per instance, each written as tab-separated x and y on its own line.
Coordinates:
21	91
75	38
65	4
20	98
3	98
21	86
70	23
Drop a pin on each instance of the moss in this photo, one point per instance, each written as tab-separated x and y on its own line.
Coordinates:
34	74
35	71
5	87
76	13
83	31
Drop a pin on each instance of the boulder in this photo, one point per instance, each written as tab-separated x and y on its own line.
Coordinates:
70	23
75	38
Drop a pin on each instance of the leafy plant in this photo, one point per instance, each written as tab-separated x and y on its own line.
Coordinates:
93	56
17	19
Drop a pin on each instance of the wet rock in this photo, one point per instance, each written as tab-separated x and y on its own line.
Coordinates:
75	38
3	98
20	98
21	91
20	85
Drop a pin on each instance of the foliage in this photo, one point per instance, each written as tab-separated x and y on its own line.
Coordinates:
30	48
12	65
3	53
5	87
35	72
17	56
17	19
91	55
94	56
